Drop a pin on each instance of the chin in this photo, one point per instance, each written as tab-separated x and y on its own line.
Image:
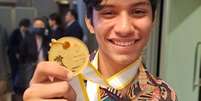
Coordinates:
125	60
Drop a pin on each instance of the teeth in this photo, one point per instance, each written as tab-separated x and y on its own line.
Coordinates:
124	44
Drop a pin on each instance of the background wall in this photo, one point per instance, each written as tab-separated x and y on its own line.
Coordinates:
181	33
45	7
14	11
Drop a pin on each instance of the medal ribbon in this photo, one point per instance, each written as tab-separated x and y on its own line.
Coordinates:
117	81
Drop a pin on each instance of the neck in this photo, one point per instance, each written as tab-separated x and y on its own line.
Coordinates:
70	22
21	30
54	27
107	67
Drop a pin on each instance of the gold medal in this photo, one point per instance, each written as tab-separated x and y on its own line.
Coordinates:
73	54
69	52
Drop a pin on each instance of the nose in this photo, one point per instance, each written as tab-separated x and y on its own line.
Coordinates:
123	25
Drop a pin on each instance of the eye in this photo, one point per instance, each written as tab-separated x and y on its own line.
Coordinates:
108	13
138	12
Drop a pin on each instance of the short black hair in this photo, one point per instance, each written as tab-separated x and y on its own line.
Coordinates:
73	13
90	4
56	17
24	22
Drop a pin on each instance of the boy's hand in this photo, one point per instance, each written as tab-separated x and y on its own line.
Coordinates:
50	83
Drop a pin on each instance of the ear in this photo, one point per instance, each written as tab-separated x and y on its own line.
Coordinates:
89	25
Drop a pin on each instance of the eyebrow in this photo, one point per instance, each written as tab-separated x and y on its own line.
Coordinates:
102	6
140	3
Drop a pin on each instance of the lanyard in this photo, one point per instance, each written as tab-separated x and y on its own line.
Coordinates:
118	81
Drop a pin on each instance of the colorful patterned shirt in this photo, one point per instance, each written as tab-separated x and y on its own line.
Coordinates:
144	87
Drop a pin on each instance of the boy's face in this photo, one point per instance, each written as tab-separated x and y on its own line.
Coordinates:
122	29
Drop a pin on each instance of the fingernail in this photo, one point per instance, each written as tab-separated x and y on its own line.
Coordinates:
69	75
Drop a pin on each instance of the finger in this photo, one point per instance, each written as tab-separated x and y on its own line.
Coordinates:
47	100
49	91
45	70
55	100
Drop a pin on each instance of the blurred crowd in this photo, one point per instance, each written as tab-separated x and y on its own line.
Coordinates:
27	45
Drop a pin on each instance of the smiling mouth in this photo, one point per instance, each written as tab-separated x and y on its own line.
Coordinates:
123	43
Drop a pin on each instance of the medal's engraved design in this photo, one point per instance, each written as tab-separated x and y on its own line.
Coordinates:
59	60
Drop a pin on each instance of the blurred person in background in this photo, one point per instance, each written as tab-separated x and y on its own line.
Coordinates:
55	22
32	50
46	20
15	58
35	46
5	75
72	26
